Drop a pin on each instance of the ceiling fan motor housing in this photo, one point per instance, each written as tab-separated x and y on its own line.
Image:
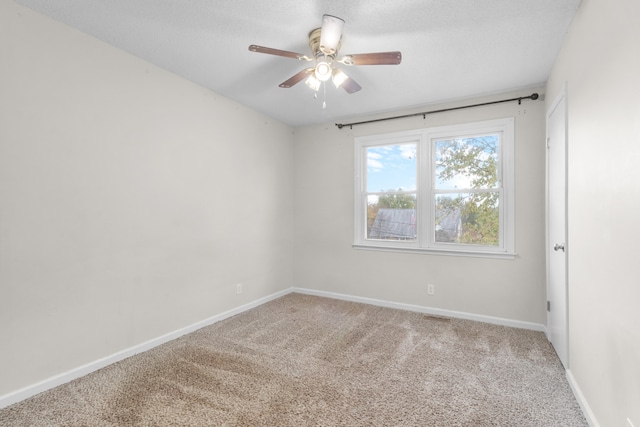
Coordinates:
314	44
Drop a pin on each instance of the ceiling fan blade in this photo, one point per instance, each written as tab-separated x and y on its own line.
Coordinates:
297	78
278	52
379	58
350	85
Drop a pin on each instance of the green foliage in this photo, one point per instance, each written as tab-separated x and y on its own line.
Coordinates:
480	220
473	161
397	201
474	158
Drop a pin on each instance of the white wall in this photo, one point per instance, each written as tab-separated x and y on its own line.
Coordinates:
600	63
325	260
131	201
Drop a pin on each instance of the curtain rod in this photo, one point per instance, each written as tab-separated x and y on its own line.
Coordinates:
533	97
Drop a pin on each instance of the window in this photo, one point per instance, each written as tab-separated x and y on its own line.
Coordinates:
440	190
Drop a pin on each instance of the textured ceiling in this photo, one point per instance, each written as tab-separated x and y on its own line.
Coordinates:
450	49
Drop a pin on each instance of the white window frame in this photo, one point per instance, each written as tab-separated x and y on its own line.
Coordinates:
424	139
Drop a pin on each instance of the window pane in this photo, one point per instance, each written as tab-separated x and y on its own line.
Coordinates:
391	217
468	218
467	163
391	167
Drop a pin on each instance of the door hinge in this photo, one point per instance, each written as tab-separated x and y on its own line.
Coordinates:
548	141
548	305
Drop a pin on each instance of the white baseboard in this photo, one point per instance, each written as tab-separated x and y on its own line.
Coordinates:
427	310
586	409
65	377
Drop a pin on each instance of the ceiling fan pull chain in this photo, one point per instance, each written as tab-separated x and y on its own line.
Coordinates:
324	100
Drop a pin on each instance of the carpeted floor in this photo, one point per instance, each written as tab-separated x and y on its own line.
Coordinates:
309	361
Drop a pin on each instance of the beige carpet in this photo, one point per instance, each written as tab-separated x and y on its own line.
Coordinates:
309	361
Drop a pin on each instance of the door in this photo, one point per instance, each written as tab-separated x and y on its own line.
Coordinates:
557	295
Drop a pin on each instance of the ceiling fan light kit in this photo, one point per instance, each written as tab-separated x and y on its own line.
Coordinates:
325	42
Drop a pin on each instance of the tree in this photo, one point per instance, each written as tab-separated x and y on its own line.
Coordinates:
473	161
397	201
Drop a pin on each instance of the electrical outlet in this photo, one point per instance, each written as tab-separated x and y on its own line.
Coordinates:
239	288
431	289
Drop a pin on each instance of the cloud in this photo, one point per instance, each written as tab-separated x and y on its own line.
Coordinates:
408	151
375	165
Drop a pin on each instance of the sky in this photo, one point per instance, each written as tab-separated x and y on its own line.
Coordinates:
390	167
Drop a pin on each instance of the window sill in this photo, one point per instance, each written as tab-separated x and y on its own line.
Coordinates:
430	251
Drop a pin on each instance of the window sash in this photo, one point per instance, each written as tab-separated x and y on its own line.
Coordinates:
468	245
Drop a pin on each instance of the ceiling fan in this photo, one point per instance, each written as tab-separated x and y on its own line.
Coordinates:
325	44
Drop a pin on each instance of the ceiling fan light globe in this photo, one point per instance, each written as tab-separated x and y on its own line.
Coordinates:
323	71
312	82
330	34
338	77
